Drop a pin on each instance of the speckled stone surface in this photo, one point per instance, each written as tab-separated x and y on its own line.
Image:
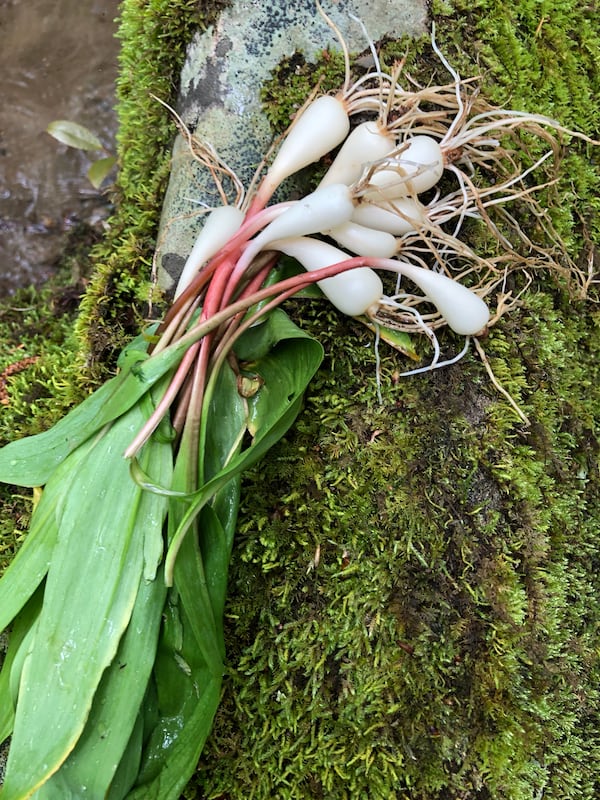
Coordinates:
220	85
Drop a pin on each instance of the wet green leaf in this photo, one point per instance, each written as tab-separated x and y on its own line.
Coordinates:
29	567
187	699
74	135
100	170
90	768
99	557
13	661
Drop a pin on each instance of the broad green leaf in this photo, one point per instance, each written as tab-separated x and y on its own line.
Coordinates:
25	621
192	579
129	766
187	700
108	731
285	371
193	586
90	768
99	170
210	553
91	587
178	756
222	440
29	567
226	417
31	461
259	340
189	670
74	135
215	548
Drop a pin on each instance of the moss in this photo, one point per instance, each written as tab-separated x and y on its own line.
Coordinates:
299	78
153	35
540	56
437	648
446	643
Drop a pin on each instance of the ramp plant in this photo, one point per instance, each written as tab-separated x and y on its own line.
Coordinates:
115	600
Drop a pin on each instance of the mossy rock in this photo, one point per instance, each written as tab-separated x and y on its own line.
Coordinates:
413	608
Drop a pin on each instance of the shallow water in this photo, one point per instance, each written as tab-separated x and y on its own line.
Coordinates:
57	61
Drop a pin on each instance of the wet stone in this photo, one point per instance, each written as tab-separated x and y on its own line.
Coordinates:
220	89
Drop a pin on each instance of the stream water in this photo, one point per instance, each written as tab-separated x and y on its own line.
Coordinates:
58	61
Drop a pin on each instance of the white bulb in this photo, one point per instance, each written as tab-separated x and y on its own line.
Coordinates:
352	292
220	225
364	241
410	217
319	128
416	169
368	142
322	209
464	311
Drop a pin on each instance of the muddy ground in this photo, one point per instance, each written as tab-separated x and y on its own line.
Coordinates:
58	61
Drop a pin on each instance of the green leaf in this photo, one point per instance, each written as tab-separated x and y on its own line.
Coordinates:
24	623
31	461
90	592
74	135
187	700
91	767
129	766
285	373
399	340
100	169
29	567
178	756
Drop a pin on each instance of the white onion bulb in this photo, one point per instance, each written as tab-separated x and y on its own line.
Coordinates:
417	169
464	311
382	218
366	143
220	225
322	209
352	292
364	241
321	127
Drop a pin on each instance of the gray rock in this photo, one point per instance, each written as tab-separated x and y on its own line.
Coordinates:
219	97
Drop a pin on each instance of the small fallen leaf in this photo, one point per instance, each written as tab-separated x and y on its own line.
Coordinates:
74	135
100	169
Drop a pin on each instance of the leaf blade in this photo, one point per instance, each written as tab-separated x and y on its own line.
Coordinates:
100	170
30	565
80	637
74	135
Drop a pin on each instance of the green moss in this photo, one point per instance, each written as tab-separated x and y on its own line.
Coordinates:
445	644
154	36
294	80
541	57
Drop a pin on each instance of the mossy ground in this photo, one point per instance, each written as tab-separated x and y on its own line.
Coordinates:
413	607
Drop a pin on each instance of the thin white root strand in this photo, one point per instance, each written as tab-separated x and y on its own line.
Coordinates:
521	414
